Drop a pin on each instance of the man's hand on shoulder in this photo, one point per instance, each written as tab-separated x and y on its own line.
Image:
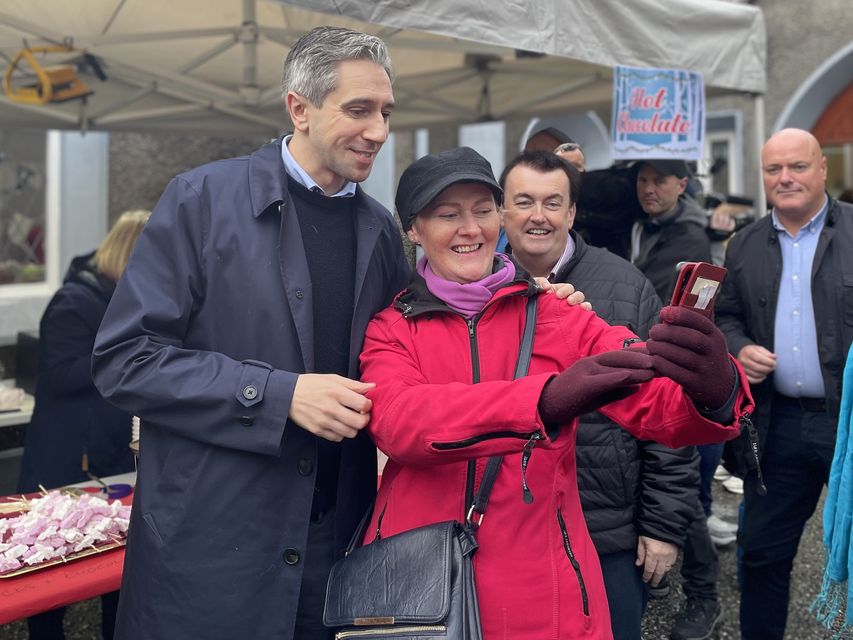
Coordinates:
330	406
564	291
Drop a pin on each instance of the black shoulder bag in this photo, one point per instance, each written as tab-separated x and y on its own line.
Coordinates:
418	583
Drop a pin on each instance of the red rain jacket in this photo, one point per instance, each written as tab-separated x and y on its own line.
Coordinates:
537	572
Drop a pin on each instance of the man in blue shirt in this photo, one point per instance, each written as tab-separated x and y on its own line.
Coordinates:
786	308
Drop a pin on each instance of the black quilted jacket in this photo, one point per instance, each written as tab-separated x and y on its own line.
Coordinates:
746	310
628	487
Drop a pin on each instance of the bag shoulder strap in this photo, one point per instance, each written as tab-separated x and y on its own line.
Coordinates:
525	352
493	465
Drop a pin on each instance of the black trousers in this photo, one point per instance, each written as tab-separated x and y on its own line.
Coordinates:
48	625
796	461
700	566
319	558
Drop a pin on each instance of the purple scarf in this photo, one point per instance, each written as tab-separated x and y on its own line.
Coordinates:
468	299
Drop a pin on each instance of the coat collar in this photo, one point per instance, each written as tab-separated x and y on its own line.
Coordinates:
581	248
833	210
267	178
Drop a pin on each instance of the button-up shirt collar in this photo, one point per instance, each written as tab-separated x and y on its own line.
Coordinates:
296	172
568	252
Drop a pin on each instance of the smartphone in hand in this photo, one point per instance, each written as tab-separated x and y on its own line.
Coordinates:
697	286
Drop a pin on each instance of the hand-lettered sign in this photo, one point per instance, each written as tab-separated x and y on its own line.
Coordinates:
657	113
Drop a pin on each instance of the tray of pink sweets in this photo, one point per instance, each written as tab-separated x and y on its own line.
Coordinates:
57	526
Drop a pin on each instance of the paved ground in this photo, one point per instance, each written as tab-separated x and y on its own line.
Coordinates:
808	569
82	620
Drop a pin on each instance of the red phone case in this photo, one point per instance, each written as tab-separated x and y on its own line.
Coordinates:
698	286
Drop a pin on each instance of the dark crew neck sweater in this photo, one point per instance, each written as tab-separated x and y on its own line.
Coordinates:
328	228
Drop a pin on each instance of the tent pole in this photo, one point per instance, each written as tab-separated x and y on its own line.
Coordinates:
758	105
249	38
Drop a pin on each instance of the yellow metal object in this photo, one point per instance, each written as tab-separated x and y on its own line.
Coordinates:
56	83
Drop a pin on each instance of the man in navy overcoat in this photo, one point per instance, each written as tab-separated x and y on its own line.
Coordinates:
234	335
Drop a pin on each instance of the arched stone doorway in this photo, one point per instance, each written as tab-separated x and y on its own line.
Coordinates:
823	104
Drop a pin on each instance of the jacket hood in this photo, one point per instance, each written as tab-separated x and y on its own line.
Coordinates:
82	271
691	212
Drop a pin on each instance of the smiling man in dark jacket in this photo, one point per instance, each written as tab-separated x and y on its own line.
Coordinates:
674	231
637	496
235	335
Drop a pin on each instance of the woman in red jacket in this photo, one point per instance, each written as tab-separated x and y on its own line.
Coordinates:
442	357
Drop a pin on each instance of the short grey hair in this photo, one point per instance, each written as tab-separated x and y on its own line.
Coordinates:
310	68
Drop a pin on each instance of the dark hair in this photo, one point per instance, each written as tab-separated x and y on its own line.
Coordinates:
546	162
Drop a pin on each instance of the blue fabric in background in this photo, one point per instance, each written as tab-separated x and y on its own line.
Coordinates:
837	514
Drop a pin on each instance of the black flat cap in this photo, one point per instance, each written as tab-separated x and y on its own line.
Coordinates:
428	176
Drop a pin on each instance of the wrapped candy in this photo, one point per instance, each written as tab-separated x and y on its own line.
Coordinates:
57	525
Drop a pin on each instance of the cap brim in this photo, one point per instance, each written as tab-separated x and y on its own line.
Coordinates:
420	202
665	168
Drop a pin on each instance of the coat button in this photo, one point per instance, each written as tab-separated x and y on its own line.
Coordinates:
300	294
291	556
762	301
246	421
305	467
250	392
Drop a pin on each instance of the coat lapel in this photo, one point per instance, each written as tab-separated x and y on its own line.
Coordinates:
367	234
826	236
367	231
297	281
268	191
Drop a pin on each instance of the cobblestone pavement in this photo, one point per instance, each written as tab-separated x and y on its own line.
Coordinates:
805	584
82	621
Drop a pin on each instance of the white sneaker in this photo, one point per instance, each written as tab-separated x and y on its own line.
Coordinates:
721	473
719	527
733	484
723	540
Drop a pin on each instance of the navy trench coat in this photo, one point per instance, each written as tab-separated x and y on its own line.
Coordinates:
204	339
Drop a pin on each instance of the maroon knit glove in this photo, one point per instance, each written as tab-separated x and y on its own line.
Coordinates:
689	349
593	382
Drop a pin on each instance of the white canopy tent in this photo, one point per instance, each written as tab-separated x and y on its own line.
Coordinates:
215	67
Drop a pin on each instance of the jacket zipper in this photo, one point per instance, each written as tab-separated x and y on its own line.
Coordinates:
475	378
752	434
532	437
461	444
574	562
475	351
390	631
526	494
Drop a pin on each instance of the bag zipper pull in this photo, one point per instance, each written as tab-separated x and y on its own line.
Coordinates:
752	433
527	495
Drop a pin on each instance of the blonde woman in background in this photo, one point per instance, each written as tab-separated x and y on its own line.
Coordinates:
71	420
